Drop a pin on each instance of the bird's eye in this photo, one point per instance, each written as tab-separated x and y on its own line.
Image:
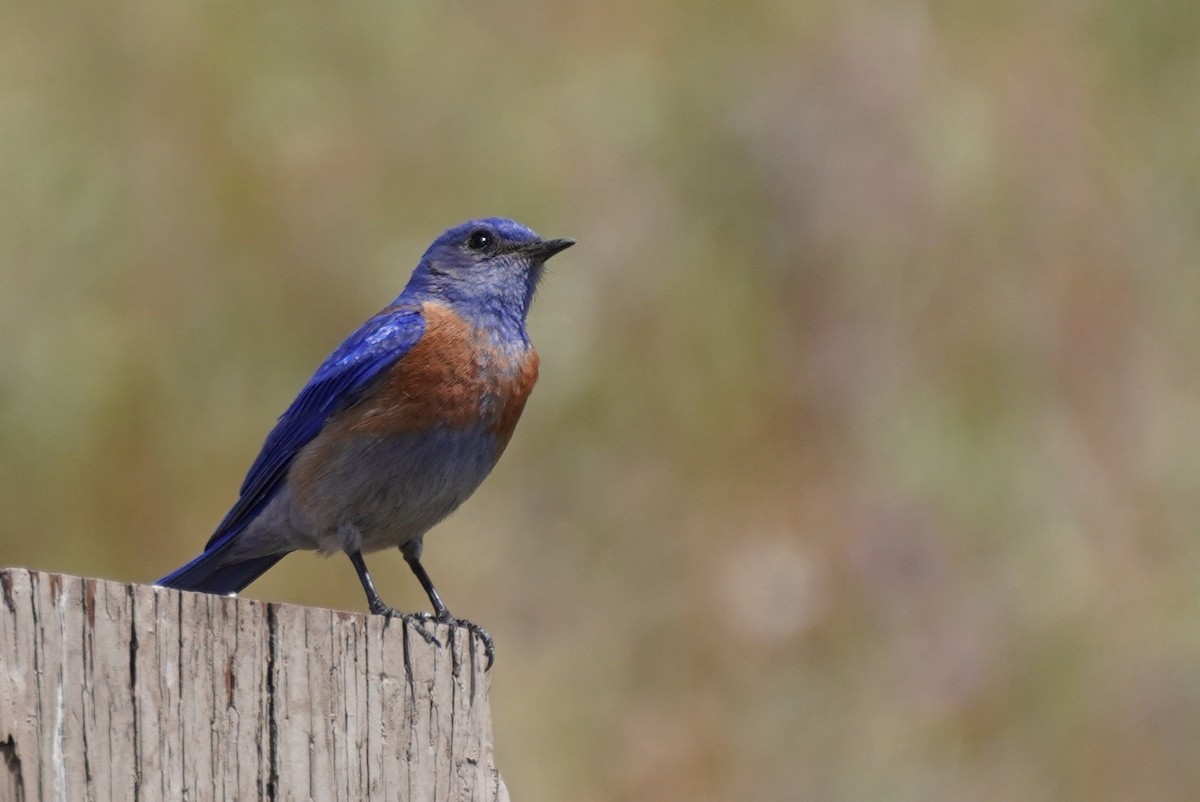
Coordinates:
479	240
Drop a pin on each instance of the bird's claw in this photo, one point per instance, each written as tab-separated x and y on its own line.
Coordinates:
419	620
415	620
489	646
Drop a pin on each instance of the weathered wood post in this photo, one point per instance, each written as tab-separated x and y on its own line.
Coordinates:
130	692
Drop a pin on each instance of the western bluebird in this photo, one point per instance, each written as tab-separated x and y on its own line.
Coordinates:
398	426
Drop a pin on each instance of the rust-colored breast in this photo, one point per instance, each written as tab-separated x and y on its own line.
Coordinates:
513	392
452	377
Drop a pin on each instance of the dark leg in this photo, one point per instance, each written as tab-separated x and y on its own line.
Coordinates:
439	609
377	606
412	556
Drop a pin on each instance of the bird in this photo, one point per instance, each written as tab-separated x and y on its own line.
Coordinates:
397	427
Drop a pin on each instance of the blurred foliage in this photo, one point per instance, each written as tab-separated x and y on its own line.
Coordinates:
864	461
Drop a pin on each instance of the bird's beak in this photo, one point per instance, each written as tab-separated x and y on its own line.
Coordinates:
542	250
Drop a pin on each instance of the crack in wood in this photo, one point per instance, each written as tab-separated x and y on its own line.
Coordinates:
12	765
272	712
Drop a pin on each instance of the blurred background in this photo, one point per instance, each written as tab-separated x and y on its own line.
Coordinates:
864	460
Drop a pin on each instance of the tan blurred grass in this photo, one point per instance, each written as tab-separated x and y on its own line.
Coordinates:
863	463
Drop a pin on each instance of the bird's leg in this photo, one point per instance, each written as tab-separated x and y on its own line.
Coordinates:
377	606
412	556
440	612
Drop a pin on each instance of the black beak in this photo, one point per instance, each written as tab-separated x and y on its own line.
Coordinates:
542	250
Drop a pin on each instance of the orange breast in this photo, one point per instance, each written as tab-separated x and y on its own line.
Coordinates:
454	376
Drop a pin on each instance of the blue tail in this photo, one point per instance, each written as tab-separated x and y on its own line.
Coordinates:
209	574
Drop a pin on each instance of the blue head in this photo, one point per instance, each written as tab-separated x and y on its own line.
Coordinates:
486	270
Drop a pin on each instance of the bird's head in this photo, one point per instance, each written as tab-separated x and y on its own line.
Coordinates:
484	268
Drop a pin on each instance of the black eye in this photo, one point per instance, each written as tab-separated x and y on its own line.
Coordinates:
479	240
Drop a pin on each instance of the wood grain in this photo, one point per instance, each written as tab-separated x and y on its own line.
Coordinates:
129	692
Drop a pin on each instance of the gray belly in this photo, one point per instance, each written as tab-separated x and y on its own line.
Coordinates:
375	493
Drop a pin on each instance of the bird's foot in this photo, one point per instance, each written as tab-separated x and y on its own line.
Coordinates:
489	646
416	620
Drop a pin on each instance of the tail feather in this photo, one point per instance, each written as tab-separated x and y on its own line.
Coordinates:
208	573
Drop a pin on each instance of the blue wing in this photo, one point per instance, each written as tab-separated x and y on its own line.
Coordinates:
337	384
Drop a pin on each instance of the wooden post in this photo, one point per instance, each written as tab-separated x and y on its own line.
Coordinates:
130	692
